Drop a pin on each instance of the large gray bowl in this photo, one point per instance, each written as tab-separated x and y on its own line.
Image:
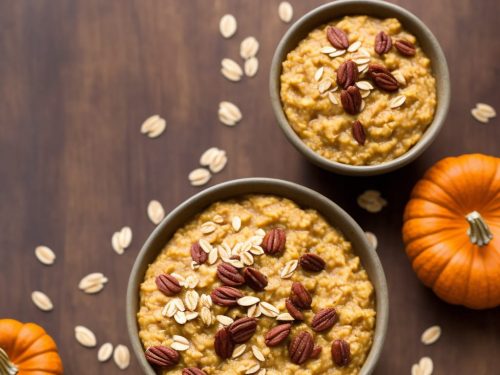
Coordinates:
379	9
299	194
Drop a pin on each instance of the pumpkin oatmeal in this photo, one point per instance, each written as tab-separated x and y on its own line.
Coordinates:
359	90
257	284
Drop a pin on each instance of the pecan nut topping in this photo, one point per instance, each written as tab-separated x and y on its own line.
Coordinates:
274	241
405	47
324	319
358	132
193	371
162	356
383	43
278	334
341	352
293	310
229	275
300	297
223	344
242	329
168	285
312	262
197	253
316	352
301	347
226	296
347	74
337	37
351	100
255	279
382	78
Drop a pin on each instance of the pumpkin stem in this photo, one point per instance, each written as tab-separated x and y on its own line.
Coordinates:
479	232
6	366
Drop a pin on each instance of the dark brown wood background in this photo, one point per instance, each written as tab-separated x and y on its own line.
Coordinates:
78	77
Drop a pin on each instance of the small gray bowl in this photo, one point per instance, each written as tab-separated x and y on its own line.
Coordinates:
304	197
379	9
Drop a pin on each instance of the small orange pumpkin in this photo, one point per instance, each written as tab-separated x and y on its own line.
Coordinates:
452	230
26	349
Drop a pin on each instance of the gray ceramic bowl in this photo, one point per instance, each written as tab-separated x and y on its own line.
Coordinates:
379	9
301	195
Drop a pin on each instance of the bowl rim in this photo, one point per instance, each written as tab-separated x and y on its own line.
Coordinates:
439	63
270	186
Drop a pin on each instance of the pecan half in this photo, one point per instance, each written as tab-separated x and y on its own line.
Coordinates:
193	371
312	262
383	43
197	253
351	100
300	297
242	329
337	37
223	344
405	47
229	275
358	132
382	78
274	241
162	356
278	334
226	296
316	352
293	310
324	319
301	347
168	285
341	352
255	279
347	74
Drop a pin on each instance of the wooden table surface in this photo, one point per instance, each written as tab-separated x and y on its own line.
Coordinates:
77	78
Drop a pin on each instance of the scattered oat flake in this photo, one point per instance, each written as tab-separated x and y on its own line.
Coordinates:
42	301
253	369
105	352
115	243
85	336
92	283
249	48
372	239
324	85
398	101
153	126
364	85
354	46
231	75
199	176
239	350
45	255
208	156
337	53
289	268
257	353
426	366
229	113
228	26
319	74
327	50
224	320
333	98
254	311
431	335
231	66
121	356
361	60
125	237
372	201
486	109
155	212
285	11
399	77
236	223
208	227
248	300
219	162
285	317
251	67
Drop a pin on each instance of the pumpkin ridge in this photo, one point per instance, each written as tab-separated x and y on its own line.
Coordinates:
443	191
15	349
457	203
449	237
446	264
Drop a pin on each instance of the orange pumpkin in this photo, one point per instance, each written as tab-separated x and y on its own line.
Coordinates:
26	349
452	230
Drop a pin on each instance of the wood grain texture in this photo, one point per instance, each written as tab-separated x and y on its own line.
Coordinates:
78	77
